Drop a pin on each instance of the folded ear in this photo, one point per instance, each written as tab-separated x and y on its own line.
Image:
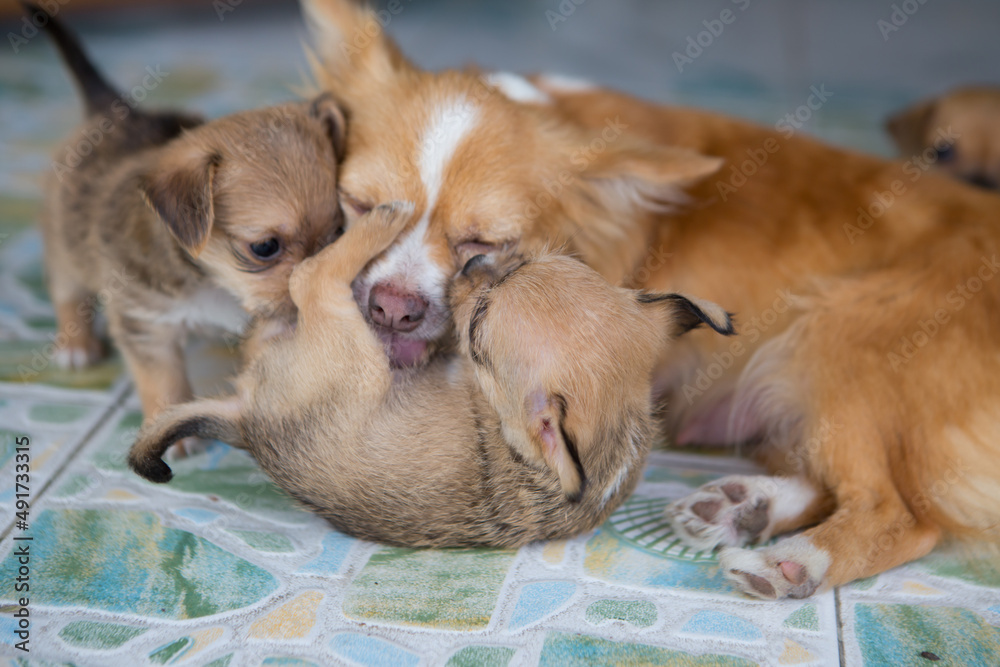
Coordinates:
685	313
179	191
630	177
326	110
349	42
213	418
908	127
546	416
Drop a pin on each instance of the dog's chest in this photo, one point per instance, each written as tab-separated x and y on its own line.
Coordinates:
208	308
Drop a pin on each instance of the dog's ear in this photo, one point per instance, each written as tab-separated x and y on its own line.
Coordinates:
179	191
628	177
350	44
326	110
908	128
552	444
211	418
684	313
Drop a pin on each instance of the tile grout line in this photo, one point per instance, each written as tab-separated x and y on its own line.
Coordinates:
117	401
840	626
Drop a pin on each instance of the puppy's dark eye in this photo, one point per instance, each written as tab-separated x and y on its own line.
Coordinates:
266	249
946	154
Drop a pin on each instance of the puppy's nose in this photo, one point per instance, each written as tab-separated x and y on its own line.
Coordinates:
396	309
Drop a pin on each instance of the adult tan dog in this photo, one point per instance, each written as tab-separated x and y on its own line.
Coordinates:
867	368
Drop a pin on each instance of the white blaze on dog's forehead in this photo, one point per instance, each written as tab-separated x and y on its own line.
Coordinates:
516	88
447	128
566	84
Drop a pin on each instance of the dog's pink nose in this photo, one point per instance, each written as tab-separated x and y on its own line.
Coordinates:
395	309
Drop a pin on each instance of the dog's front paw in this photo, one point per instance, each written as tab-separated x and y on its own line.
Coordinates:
732	511
79	354
792	568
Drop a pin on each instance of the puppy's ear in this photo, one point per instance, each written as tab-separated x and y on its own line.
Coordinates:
180	193
546	417
908	128
326	110
350	44
686	313
215	418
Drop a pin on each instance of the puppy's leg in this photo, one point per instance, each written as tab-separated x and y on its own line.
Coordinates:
77	346
739	510
864	536
156	361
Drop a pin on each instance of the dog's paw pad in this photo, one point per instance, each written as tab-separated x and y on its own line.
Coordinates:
792	568
729	512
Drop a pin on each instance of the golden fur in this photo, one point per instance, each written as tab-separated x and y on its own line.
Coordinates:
867	367
539	429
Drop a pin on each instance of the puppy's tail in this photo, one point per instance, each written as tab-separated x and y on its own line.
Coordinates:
211	419
98	95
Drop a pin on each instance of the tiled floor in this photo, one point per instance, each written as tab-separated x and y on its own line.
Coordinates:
218	568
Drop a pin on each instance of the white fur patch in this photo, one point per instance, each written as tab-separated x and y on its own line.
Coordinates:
408	263
566	84
516	88
210	307
750	569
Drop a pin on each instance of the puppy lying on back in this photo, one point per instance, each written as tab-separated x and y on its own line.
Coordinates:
958	133
537	430
184	224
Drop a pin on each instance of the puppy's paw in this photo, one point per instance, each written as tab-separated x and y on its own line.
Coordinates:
185	448
731	511
792	568
79	354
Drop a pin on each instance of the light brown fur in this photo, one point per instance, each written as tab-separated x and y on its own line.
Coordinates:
889	446
958	132
158	221
538	429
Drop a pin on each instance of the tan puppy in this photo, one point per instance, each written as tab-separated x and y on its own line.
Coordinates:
175	225
538	430
958	132
868	368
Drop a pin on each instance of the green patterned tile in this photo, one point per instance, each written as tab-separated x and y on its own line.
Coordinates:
481	656
57	413
804	618
94	635
576	650
639	613
900	634
267	542
455	589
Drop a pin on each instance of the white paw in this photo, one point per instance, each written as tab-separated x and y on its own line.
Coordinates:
182	449
731	511
78	357
792	568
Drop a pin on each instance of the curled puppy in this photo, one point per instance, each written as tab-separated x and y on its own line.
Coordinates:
958	133
174	224
537	429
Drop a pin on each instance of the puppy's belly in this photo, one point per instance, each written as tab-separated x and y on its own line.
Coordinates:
210	308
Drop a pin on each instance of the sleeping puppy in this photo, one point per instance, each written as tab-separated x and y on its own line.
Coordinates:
958	132
538	429
173	224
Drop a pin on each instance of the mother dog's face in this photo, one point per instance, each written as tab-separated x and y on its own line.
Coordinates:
489	164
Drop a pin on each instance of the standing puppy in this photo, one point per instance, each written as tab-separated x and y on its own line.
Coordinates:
184	224
538	430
